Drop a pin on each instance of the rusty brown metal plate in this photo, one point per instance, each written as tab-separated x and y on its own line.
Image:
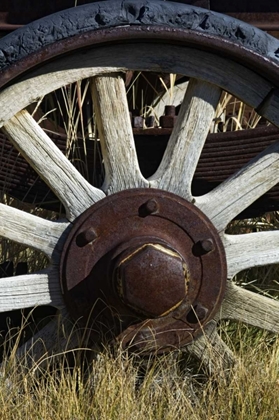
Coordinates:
148	259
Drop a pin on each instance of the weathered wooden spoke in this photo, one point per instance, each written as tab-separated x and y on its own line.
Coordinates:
30	230
254	309
179	163
41	346
115	130
31	290
251	250
211	350
39	351
66	182
245	84
243	188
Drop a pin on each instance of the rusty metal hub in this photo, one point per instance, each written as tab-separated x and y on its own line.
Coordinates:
146	264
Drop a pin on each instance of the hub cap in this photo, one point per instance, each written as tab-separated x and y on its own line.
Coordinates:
148	259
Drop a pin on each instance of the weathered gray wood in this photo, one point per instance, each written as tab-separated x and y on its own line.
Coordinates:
174	96
116	134
243	188
211	350
53	167
269	107
251	250
31	290
38	348
30	230
227	74
186	142
252	308
55	338
39	84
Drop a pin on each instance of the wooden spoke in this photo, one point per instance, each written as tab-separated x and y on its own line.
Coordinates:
115	130
31	290
49	162
30	230
59	335
211	350
240	190
242	82
40	346
254	309
178	94
251	250
179	163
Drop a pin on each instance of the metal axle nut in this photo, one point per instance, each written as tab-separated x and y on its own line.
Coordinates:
151	279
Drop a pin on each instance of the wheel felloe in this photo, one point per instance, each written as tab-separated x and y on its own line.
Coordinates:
150	259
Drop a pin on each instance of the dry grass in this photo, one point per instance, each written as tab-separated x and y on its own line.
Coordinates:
118	386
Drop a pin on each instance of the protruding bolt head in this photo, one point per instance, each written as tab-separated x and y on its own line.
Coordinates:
167	121
148	208
207	245
201	312
150	121
170	110
85	237
151	206
137	122
203	247
197	314
152	279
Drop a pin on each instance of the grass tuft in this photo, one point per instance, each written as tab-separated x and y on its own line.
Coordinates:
116	385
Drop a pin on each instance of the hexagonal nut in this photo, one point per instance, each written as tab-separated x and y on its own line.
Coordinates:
167	121
137	122
152	279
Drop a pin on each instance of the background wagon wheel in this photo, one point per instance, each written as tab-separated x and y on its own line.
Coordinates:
152	222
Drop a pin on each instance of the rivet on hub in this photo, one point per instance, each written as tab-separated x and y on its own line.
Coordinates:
207	245
84	238
151	206
197	314
201	312
203	247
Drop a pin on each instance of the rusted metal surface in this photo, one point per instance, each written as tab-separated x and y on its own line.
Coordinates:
145	263
168	120
151	278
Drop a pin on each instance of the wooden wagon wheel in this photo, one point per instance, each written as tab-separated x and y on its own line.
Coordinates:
157	256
